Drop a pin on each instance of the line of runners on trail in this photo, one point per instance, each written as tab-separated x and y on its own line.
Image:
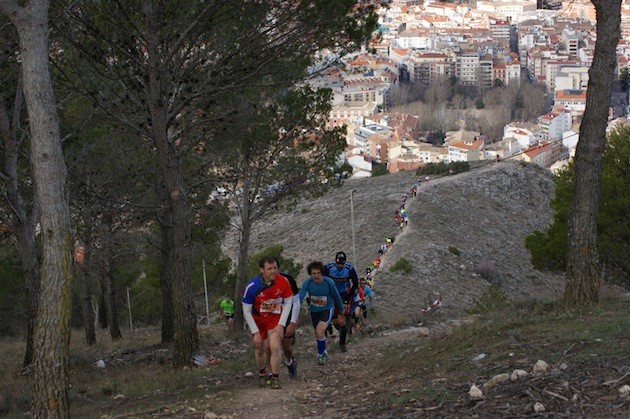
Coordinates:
335	295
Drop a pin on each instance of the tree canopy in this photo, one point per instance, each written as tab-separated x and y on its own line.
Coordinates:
548	248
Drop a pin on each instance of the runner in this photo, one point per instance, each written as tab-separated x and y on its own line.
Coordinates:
267	303
347	282
289	328
368	294
227	309
368	274
357	318
323	297
376	262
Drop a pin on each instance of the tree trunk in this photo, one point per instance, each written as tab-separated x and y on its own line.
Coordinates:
583	271
102	302
108	278
82	270
30	265
241	273
244	208
186	336
166	277
52	327
22	224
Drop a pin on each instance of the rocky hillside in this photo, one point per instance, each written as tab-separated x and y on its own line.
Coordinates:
484	215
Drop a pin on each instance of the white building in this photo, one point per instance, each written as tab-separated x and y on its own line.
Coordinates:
415	40
573	77
507	8
361	166
361	136
524	136
343	113
460	151
570	140
554	124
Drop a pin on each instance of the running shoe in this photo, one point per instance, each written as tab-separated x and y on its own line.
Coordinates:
321	360
262	380
325	356
343	348
292	368
275	383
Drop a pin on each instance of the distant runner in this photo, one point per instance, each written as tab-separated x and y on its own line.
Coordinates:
227	309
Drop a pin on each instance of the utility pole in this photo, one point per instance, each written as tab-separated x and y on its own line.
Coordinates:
354	247
129	309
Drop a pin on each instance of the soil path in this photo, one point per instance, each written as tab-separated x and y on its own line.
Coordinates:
341	388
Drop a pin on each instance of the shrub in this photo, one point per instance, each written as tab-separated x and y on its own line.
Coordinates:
402	265
454	250
442	168
492	299
379	170
487	271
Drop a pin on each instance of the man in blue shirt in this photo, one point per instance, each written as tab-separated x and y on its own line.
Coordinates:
347	281
323	296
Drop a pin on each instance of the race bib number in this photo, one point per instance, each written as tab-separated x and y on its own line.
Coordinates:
271	306
319	301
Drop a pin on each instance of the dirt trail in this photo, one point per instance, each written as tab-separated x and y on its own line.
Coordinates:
341	388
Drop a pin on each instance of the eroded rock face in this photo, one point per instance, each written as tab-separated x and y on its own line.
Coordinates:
483	215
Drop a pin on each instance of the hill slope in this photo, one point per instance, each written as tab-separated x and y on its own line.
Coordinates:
484	213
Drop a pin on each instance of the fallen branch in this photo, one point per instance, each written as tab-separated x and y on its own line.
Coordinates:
564	354
613	382
556	395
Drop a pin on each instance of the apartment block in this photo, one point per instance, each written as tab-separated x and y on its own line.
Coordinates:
430	67
467	67
573	101
554	124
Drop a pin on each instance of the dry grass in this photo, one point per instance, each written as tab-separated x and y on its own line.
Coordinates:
437	369
137	367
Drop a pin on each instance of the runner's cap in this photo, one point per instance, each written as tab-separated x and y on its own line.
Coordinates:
340	257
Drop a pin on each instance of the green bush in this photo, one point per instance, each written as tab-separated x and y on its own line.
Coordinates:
493	299
402	265
379	170
454	250
442	168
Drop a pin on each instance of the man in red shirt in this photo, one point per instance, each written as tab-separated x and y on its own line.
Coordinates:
266	307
